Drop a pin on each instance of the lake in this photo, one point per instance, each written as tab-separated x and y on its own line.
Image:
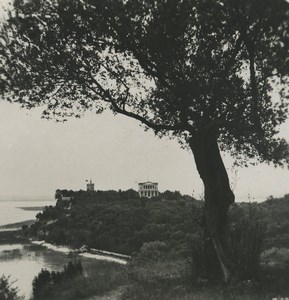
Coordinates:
13	212
22	262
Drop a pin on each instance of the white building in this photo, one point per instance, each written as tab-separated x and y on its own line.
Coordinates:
148	189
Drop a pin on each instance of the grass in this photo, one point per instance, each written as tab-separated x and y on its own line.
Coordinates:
165	279
173	280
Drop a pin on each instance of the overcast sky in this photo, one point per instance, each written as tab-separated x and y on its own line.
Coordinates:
38	156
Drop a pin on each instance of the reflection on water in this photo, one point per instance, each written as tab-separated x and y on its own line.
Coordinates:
10	247
24	262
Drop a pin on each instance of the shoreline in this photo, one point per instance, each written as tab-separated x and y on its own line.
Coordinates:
32	208
16	226
95	253
10	235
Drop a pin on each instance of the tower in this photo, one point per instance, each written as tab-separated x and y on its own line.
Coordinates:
90	186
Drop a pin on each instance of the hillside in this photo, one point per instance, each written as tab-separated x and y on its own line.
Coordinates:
164	237
119	221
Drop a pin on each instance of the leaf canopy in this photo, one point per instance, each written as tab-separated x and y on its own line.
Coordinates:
177	66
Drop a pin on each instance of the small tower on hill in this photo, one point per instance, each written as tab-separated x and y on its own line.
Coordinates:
90	186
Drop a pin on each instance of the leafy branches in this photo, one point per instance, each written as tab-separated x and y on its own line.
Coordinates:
176	66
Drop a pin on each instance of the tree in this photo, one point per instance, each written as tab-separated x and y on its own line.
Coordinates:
58	195
8	292
202	71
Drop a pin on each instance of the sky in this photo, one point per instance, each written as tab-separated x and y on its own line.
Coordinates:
38	156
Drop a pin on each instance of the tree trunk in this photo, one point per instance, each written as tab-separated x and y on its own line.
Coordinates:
218	197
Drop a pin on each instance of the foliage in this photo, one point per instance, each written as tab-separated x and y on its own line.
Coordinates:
177	66
245	242
171	279
204	72
274	212
7	292
162	269
43	283
153	251
246	235
100	277
112	221
168	279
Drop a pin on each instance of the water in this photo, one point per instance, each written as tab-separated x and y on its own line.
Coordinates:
11	211
22	262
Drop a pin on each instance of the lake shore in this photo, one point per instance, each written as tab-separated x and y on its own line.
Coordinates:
92	253
16	226
10	235
32	208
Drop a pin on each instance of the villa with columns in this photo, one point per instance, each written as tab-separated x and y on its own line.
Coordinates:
148	189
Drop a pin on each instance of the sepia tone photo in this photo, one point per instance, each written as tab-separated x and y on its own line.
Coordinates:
144	149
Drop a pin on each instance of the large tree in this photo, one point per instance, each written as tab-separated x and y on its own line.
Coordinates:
212	74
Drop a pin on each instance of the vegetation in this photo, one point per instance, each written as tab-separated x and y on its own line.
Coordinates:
275	214
44	280
167	248
204	72
118	221
166	267
12	237
71	284
121	221
8	292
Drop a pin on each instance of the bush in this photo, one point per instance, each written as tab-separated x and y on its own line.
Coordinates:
153	251
44	282
7	292
100	277
245	241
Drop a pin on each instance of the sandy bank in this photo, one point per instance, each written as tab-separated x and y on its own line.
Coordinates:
32	208
106	257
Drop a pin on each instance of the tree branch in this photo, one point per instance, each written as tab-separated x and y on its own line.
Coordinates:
215	124
106	96
253	83
235	52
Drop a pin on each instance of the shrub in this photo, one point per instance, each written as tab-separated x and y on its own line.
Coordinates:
44	282
155	250
245	240
7	292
